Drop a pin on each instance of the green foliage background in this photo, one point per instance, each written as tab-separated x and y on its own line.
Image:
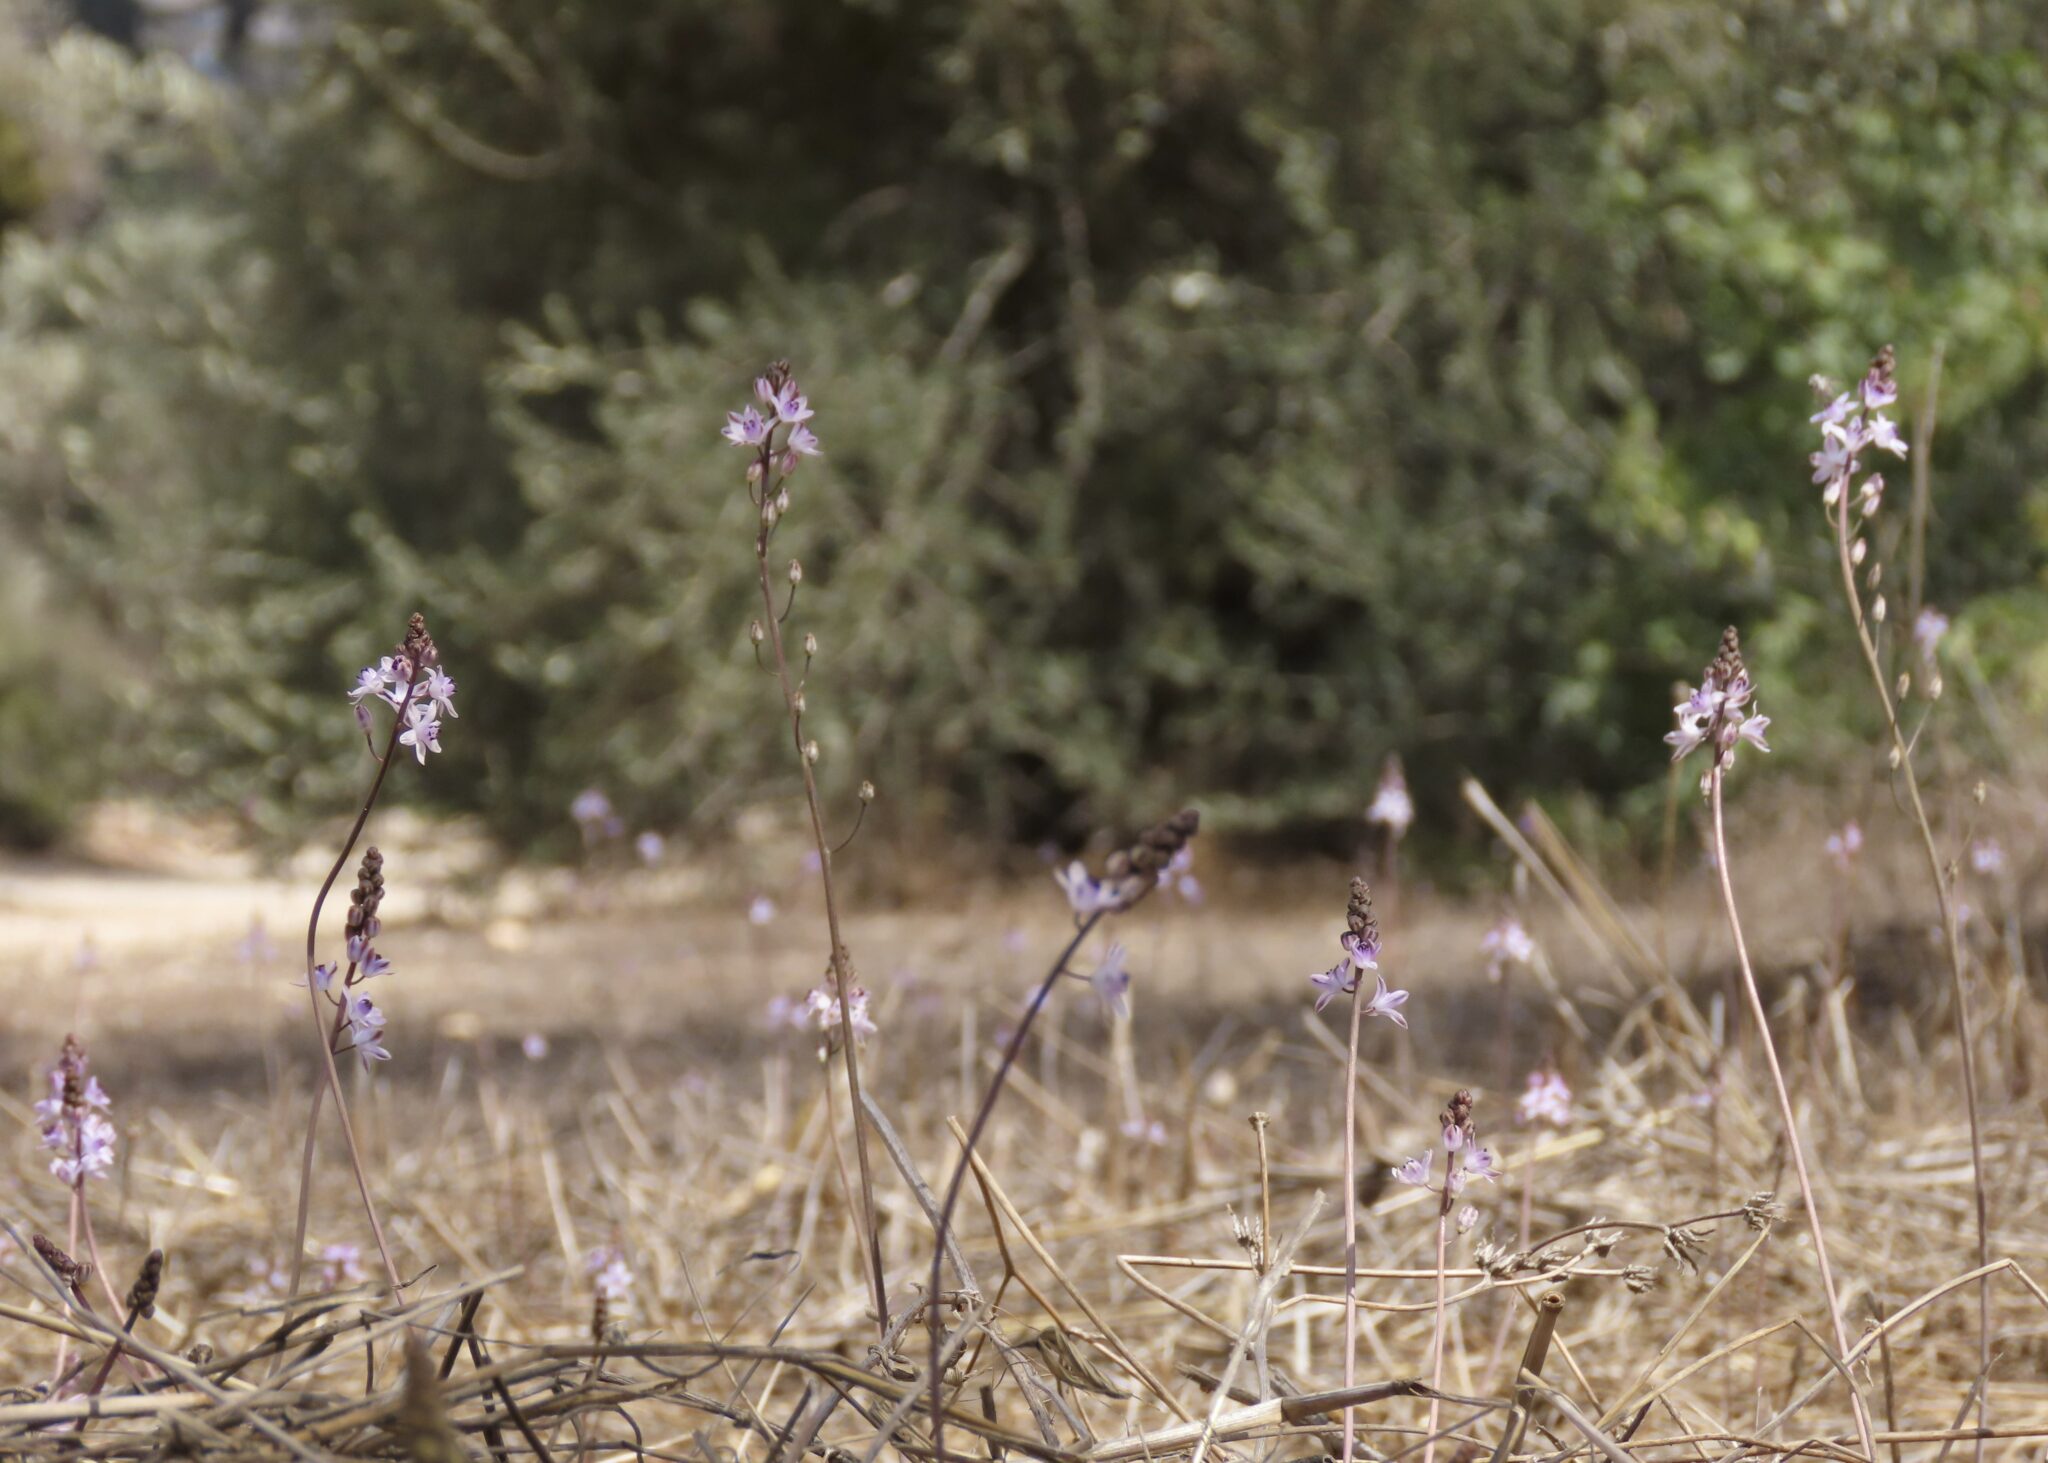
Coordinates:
1217	396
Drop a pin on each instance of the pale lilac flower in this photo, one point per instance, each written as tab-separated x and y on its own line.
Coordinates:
369	682
761	911
821	1009
1844	846
650	846
1339	979
1143	1131
1391	807
1506	944
340	1265
746	428
1835	461
1987	856
422	731
1834	412
1547	1100
323	976
1387	1003
591	808
1474	1162
1928	628
1363	950
1086	895
1454	1137
365	1030
1112	981
610	1276
1415	1171
1877	387
1884	435
535	1046
373	965
439	689
789	404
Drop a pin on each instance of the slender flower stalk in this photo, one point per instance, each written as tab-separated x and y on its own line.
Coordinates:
412	682
1361	945
1128	876
1464	1159
1852	422
1720	716
775	459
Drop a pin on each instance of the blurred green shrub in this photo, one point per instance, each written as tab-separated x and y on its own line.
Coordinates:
1214	397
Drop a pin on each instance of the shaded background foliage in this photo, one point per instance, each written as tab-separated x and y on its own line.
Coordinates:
1217	397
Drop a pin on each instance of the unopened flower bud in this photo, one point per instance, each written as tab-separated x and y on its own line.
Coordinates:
754	471
1467	1218
1934	689
1877	609
796	572
810	644
1876	575
798	702
755	633
1857	551
1904	686
770	513
867	791
1893	759
811	751
782	501
1977	793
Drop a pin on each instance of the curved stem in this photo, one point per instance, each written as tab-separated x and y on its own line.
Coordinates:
1784	1095
332	1073
1951	935
974	1132
1351	1221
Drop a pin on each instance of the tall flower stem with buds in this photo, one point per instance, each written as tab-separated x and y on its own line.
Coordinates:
1720	716
1361	945
779	440
412	682
1851	423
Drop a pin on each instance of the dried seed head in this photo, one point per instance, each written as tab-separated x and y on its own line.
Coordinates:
1358	915
1459	1113
1727	667
200	1354
1686	1246
73	1273
418	646
142	1294
1763	1210
1640	1279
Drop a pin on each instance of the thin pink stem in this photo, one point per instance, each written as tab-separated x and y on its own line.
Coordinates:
1351	1221
1952	938
1784	1095
332	1073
